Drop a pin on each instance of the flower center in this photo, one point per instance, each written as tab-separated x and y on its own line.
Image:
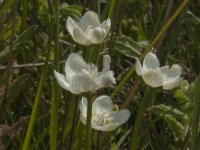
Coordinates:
101	119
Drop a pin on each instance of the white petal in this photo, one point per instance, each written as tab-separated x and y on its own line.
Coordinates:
138	67
153	78
172	84
83	106
96	35
151	61
106	25
105	80
164	70
82	82
80	37
62	80
174	72
106	63
102	104
106	128
74	64
90	18
83	119
120	117
70	24
92	69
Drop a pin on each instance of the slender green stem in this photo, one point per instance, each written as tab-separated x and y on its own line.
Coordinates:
147	99
165	27
112	6
73	124
78	139
196	116
131	94
155	40
88	125
56	89
37	99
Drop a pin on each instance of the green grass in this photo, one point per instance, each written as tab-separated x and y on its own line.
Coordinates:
34	42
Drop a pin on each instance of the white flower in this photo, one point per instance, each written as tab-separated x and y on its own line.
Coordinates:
103	116
88	30
155	76
82	77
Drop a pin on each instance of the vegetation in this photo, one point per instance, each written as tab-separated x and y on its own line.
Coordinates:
36	113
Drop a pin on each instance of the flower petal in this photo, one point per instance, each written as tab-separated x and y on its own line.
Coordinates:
83	106
105	80
96	35
151	61
164	70
106	128
90	18
106	63
83	119
153	78
106	25
74	64
120	117
80	37
172	84
138	67
62	80
70	24
102	104
82	82
174	72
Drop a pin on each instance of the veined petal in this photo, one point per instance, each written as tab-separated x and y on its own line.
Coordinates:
83	119
62	80
151	61
70	24
92	69
138	67
82	82
106	128
90	18
174	72
153	78
102	104
106	63
168	85
106	25
120	117
164	70
83	106
96	35
74	64
80	37
105	80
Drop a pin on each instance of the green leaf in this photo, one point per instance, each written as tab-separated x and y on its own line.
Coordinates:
6	33
5	6
71	10
128	47
175	125
162	110
23	38
26	35
180	96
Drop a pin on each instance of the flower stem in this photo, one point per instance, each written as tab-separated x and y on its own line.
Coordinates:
56	89
88	125
155	40
147	99
37	99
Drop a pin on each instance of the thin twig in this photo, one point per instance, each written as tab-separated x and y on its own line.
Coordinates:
3	67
